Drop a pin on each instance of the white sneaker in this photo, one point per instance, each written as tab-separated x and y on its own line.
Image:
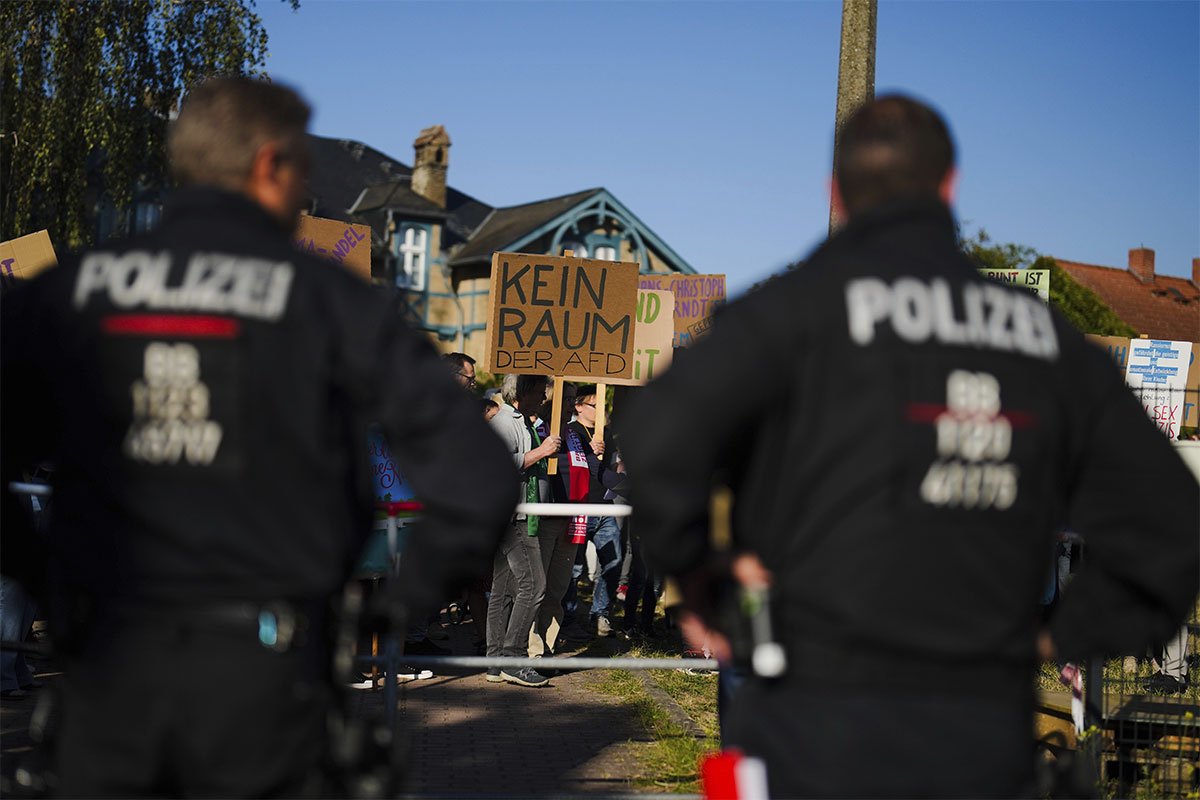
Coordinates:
363	682
411	674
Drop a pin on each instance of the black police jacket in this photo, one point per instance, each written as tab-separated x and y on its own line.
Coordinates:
904	437
204	392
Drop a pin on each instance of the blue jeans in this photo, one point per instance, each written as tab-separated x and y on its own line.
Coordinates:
605	533
17	611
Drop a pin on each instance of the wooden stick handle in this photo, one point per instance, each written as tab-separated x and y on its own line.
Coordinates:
556	407
555	421
601	416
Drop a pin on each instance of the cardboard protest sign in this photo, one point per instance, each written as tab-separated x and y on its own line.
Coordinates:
1034	280
26	256
1158	369
653	334
562	316
1119	348
696	298
344	243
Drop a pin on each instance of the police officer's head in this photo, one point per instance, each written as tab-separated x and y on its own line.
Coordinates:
892	149
246	136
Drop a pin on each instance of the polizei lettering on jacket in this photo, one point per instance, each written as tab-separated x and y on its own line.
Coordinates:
982	315
213	282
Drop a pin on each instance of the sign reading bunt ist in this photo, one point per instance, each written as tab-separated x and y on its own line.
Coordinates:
562	316
697	297
1036	281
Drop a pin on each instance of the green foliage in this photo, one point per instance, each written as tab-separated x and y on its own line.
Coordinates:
1076	302
87	90
1080	305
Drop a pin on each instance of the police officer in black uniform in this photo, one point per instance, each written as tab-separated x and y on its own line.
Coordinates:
903	437
204	392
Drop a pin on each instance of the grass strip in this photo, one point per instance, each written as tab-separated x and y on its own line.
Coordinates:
671	757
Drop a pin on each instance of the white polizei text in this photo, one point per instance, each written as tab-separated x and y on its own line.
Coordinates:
213	282
983	315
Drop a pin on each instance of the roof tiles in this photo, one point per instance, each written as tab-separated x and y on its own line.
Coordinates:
1166	307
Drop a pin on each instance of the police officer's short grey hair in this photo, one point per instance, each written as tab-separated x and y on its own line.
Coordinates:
508	389
224	121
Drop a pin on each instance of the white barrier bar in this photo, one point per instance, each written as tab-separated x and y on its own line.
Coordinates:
566	663
536	509
575	509
39	489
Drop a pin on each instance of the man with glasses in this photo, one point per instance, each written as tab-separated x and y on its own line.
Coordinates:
463	367
604	532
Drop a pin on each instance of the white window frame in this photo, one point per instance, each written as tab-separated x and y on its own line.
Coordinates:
605	252
410	264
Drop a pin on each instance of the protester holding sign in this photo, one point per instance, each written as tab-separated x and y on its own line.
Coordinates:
604	532
517	571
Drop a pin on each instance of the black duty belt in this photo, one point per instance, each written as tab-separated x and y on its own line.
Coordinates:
280	624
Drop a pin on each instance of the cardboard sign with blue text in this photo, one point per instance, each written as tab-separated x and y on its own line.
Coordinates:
344	243
553	315
1158	369
1119	347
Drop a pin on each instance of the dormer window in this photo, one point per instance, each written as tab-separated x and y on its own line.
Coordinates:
605	252
410	272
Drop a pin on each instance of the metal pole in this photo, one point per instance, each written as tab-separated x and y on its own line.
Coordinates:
556	662
856	71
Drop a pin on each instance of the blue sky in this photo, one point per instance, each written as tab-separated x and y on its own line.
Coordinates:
1077	123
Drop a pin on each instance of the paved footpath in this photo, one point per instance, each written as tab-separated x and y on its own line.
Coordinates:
472	739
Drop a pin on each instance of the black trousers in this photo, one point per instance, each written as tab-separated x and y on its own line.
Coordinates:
172	709
852	742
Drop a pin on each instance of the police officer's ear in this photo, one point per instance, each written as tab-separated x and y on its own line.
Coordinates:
948	187
835	199
278	181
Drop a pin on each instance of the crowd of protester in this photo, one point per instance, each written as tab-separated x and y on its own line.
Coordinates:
530	602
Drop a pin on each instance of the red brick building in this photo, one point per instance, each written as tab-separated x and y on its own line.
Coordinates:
1159	306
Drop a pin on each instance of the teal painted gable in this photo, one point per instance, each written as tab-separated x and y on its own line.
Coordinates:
602	204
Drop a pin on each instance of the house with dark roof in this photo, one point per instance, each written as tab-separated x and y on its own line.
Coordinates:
435	243
1159	306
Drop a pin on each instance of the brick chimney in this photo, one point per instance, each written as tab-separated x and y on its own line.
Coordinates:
432	159
1196	272
1141	264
